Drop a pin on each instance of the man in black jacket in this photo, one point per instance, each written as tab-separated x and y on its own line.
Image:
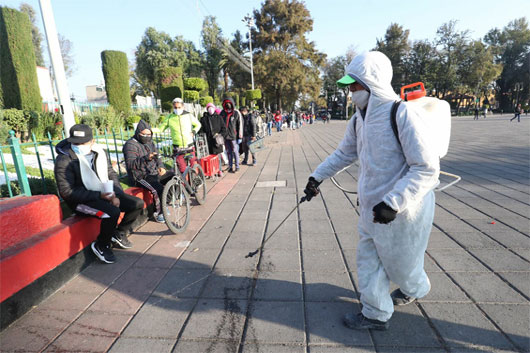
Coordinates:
144	167
249	134
212	126
82	171
234	125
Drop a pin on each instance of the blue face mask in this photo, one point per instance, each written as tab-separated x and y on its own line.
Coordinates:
82	149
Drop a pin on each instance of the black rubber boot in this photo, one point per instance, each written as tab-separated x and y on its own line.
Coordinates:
361	322
399	298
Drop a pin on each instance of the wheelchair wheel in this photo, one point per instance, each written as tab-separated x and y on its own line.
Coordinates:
176	206
197	182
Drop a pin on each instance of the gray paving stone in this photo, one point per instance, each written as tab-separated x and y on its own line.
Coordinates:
235	259
284	285
315	227
216	319
280	260
244	240
443	290
141	345
159	318
211	240
439	240
520	280
501	260
289	227
182	283
197	258
475	240
230	284
463	325
407	328
513	320
331	329
276	322
277	348
322	348
210	346
348	240
456	260
487	287
283	241
323	261
319	241
325	286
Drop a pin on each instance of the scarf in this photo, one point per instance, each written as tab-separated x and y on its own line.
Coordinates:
91	180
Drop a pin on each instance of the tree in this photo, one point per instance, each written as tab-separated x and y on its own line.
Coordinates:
67	55
396	46
116	73
35	33
18	76
421	63
286	63
232	67
211	34
511	49
158	50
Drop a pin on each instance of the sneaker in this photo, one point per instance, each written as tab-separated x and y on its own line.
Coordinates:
244	163
121	241
160	218
104	253
361	322
399	298
231	170
254	162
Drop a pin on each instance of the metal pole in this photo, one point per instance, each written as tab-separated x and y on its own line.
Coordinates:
250	22
58	65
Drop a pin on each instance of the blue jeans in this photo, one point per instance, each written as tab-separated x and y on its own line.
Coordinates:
269	128
279	126
232	150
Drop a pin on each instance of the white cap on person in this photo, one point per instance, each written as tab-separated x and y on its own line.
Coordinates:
178	100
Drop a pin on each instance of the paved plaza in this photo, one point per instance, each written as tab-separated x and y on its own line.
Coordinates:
196	291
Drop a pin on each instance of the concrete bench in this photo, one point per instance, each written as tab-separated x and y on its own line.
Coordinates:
35	241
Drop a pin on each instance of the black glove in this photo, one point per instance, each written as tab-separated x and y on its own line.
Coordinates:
383	213
311	189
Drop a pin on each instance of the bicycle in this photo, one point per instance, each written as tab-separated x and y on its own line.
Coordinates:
175	197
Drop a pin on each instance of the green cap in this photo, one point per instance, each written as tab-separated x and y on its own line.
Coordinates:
345	81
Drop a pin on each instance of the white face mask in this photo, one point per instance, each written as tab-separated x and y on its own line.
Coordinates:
360	98
178	111
82	149
211	111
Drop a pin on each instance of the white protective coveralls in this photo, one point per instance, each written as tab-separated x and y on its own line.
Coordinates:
404	177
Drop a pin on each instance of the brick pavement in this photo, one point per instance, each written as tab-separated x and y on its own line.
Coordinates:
195	292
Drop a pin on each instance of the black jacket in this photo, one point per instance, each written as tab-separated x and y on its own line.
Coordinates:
136	156
211	125
232	122
68	177
249	125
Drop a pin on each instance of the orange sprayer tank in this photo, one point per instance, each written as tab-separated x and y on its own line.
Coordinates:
413	94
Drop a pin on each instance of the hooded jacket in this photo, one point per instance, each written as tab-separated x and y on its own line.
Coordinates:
249	125
68	177
211	125
232	121
136	156
398	175
182	128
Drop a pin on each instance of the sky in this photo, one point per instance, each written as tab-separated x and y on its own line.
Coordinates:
97	25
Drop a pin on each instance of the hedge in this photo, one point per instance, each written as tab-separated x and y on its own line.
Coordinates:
171	85
234	96
18	79
195	84
203	101
253	94
190	96
116	74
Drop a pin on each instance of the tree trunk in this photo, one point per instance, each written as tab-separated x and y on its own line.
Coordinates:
225	78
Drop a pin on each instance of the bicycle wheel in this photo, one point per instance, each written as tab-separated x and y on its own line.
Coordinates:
197	182
176	206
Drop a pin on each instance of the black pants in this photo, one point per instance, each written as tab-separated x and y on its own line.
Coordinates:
132	206
155	185
246	149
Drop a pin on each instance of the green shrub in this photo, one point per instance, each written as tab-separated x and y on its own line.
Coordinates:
116	73
35	185
41	124
88	119
133	119
20	87
4	133
171	85
191	96
203	101
150	117
253	95
107	118
234	96
15	119
243	101
195	84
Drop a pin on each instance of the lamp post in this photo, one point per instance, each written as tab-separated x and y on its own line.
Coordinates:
58	65
250	23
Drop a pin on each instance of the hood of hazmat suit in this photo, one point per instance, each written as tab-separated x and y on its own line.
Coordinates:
404	177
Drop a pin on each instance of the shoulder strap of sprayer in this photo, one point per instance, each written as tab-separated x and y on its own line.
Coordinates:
393	120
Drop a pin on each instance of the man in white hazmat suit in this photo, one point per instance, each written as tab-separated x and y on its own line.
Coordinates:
395	189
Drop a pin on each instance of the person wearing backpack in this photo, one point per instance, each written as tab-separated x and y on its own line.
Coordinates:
395	191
